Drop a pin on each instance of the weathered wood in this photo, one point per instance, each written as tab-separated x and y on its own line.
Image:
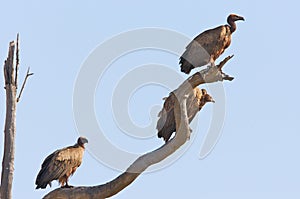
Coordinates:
11	67
10	125
28	74
141	164
212	74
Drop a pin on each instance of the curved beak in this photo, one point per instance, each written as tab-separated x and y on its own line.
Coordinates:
241	18
85	140
211	100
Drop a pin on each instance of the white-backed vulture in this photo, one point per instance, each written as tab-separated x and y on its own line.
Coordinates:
208	46
61	164
166	124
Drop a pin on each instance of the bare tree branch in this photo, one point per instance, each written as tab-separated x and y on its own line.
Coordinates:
24	82
141	164
212	74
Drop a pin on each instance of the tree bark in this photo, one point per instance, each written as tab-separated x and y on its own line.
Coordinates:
11	66
212	74
10	124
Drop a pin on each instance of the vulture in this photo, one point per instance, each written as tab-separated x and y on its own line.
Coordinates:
61	164
208	46
166	124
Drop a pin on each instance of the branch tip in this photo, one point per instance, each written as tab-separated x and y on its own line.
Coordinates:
24	82
17	61
224	61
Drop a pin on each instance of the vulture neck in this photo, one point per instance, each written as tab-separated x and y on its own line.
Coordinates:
80	145
232	26
202	103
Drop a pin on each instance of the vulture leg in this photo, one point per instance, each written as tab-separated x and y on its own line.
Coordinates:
64	182
211	62
67	186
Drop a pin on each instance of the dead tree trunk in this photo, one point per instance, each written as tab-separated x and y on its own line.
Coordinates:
111	188
11	78
10	124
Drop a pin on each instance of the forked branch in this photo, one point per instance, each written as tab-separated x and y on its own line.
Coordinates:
213	74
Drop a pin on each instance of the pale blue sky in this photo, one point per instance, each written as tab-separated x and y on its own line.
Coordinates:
257	154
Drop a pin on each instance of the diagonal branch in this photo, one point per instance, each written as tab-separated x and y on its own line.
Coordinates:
24	82
113	187
209	75
141	164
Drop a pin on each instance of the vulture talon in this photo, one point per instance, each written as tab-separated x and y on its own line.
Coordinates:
67	186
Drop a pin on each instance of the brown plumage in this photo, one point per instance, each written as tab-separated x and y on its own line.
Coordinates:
166	124
61	164
208	46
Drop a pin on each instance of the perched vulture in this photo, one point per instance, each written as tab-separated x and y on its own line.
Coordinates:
61	164
166	124
208	46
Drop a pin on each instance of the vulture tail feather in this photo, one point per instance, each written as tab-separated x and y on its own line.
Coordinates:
186	67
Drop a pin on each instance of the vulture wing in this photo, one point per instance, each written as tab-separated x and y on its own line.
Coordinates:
60	163
208	45
166	124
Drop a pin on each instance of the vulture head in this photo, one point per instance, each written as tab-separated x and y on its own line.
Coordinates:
81	141
231	19
206	97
